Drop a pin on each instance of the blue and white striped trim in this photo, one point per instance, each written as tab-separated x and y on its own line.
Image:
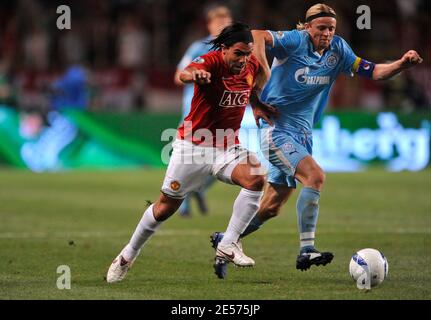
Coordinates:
306	236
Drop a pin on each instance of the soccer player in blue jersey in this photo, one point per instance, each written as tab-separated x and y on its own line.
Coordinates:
306	63
217	16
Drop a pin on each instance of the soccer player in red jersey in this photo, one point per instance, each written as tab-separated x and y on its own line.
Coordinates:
207	144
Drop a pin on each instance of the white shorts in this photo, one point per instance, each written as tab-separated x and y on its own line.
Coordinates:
191	164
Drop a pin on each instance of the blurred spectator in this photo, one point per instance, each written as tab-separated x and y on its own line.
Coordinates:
72	46
36	48
133	44
70	90
7	92
133	57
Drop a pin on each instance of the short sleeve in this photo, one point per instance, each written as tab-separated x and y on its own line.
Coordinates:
349	58
204	62
191	53
285	43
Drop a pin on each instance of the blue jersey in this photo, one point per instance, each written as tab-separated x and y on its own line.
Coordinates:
301	78
196	49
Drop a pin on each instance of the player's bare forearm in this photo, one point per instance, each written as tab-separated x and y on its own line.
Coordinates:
177	79
262	78
385	71
261	39
254	98
198	76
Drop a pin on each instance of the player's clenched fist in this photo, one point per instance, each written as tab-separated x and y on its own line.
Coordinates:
201	76
198	76
411	58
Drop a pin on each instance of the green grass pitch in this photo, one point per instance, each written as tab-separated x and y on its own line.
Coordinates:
82	220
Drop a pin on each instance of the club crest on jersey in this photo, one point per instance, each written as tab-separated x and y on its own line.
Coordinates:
175	185
331	60
234	98
198	60
289	148
279	34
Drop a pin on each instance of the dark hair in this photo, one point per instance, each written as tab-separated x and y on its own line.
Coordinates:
237	32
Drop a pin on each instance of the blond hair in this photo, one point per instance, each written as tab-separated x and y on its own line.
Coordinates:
316	9
216	10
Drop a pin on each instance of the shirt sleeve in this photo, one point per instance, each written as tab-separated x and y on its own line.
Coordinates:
191	53
285	43
350	59
203	62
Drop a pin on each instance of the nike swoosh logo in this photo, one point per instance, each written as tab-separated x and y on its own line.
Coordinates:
123	262
230	256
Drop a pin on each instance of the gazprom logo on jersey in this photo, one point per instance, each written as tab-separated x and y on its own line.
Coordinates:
301	76
234	98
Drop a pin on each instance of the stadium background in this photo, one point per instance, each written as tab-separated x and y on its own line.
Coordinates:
129	51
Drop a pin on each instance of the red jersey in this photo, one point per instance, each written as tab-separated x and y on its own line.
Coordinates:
218	107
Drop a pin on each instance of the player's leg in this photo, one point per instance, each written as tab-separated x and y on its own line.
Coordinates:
274	197
184	209
277	149
279	187
200	195
247	175
151	220
312	177
247	203
182	177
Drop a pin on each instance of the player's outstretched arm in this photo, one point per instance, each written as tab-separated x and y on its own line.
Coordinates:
261	39
199	76
385	71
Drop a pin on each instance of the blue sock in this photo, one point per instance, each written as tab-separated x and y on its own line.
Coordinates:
209	182
307	208
254	225
185	206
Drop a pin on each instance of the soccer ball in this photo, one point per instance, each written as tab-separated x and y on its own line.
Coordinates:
368	267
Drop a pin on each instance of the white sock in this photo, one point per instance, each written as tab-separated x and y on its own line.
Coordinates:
145	229
244	209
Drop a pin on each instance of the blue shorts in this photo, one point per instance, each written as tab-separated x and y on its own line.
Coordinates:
284	150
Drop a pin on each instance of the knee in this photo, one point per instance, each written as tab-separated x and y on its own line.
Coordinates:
319	178
163	209
271	213
254	183
316	179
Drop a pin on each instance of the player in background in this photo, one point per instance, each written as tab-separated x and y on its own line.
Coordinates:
218	17
306	63
207	144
